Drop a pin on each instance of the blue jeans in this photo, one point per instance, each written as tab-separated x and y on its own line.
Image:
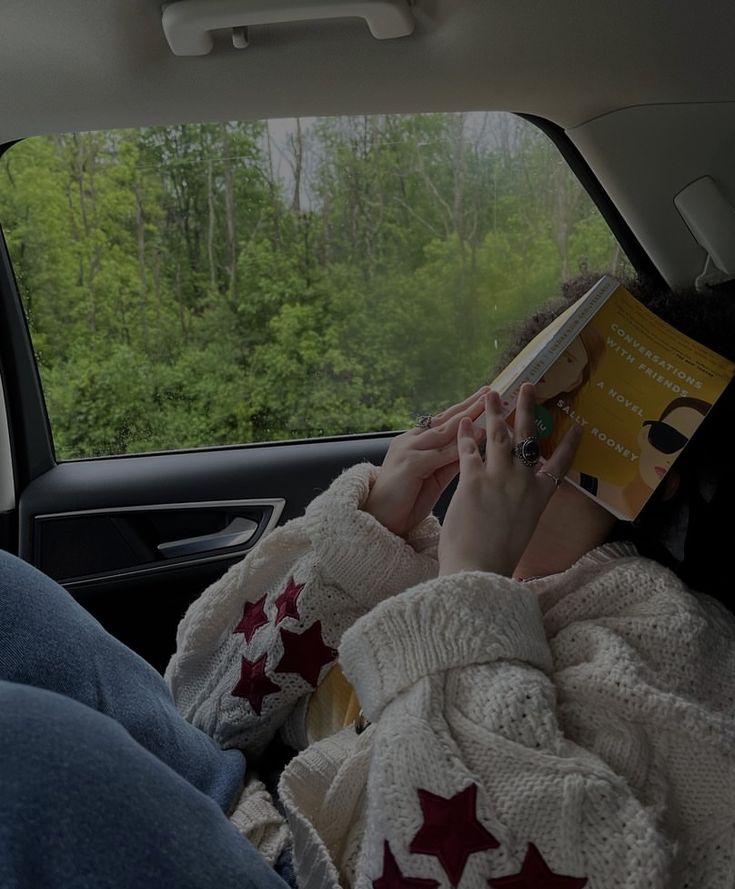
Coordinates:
102	783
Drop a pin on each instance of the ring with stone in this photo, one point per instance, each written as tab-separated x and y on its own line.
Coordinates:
424	421
527	451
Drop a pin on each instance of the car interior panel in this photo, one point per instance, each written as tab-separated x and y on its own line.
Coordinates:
639	102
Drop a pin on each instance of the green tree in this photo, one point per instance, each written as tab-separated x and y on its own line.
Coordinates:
182	291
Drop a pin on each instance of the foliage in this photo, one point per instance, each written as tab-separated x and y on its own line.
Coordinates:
182	291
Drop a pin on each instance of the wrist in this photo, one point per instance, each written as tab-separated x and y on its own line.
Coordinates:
383	510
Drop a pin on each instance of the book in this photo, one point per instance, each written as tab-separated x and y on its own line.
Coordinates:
638	387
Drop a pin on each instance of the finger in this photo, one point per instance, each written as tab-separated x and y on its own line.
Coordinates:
459	408
525	414
560	462
444	462
497	431
446	433
467	450
446	472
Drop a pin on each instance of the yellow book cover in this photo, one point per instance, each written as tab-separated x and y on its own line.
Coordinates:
638	387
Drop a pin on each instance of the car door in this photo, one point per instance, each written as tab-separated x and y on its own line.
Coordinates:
136	538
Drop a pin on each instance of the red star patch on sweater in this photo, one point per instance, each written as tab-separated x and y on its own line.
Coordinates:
253	684
286	602
253	617
535	874
305	653
451	830
393	878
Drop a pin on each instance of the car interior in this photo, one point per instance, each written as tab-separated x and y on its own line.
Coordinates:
637	101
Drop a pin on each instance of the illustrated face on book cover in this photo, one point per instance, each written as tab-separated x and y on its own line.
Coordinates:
576	365
567	374
661	441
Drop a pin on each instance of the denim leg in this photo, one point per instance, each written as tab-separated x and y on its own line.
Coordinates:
49	641
84	806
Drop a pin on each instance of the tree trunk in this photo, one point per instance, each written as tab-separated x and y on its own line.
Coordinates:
140	231
273	189
210	229
296	142
231	228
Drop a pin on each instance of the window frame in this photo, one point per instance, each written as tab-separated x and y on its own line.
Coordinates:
30	432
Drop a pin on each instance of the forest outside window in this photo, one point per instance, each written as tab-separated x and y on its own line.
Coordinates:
226	283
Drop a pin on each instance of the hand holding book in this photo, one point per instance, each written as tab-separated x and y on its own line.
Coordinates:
499	500
419	465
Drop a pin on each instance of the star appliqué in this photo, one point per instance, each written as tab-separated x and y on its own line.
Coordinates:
253	617
305	653
451	830
535	874
253	684
286	602
393	878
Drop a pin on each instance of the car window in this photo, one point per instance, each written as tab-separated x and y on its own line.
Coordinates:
225	283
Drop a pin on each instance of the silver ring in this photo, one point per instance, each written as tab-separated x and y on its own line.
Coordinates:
527	451
424	421
555	479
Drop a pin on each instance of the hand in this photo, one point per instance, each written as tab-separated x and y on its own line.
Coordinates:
419	465
498	501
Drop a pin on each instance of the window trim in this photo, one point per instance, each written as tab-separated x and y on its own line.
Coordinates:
622	232
29	428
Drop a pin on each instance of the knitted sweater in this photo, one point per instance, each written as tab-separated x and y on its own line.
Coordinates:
575	730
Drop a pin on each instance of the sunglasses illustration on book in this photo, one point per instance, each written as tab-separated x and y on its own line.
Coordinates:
664	437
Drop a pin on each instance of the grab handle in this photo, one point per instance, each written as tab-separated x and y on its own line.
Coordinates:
188	24
237	533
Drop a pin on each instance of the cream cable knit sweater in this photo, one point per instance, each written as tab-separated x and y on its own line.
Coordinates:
577	730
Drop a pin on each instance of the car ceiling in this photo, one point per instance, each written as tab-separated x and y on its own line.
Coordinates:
632	83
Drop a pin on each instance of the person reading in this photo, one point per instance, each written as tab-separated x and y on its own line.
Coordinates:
521	696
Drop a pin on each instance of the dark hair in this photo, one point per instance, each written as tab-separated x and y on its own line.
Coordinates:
696	404
692	531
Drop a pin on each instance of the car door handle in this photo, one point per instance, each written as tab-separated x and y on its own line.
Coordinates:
237	533
188	24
